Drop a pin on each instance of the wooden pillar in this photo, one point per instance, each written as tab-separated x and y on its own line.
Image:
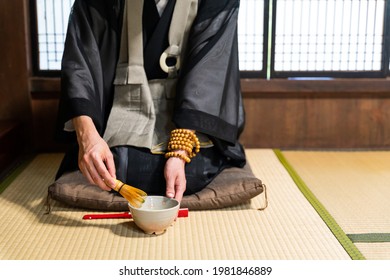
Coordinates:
15	101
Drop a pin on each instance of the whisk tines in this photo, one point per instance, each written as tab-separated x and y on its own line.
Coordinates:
134	196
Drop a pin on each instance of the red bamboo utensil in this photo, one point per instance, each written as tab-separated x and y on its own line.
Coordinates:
183	213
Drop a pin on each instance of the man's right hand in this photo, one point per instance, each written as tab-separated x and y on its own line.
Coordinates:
95	160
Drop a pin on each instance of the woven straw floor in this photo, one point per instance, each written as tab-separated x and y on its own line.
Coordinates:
355	188
288	229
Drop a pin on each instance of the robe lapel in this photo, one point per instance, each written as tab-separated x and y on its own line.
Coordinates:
150	19
157	41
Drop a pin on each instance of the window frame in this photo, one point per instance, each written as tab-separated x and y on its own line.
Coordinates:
385	63
35	45
268	68
261	73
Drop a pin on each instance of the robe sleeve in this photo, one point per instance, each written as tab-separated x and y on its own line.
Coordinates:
88	63
208	93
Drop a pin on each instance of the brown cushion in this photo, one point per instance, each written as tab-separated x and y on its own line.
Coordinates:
231	187
75	190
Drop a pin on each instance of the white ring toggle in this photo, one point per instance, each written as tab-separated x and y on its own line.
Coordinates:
163	62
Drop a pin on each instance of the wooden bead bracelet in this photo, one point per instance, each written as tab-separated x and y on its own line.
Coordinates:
183	139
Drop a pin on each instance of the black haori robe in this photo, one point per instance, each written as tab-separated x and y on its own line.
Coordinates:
208	96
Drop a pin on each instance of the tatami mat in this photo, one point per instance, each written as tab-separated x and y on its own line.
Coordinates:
288	229
355	188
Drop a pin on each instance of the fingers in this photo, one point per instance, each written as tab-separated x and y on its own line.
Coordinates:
175	178
95	158
179	194
93	175
170	192
98	169
110	165
106	170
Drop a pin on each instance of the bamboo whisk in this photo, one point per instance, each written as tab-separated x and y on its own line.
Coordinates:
134	196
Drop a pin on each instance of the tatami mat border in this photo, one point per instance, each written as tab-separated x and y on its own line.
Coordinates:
347	244
369	237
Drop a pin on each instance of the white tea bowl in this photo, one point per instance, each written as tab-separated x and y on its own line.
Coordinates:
156	214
